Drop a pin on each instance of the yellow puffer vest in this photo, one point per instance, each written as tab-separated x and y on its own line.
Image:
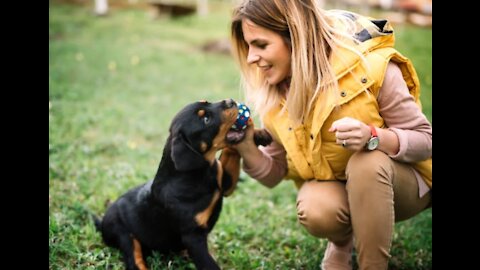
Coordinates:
312	152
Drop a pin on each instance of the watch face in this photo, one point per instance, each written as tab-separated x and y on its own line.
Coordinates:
373	143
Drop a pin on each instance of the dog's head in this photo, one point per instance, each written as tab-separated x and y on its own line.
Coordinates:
198	131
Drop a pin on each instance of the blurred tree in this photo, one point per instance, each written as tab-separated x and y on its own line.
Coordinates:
202	7
101	7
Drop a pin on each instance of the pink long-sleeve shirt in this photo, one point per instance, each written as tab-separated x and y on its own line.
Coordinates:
401	115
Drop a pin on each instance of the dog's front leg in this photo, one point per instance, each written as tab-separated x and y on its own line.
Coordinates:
196	244
230	160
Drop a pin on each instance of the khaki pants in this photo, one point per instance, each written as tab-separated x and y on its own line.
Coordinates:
379	192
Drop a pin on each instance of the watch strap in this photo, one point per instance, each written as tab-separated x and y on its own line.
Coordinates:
372	142
373	131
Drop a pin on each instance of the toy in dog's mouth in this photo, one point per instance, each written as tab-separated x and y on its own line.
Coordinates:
237	131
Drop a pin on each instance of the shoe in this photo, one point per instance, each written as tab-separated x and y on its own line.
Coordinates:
338	258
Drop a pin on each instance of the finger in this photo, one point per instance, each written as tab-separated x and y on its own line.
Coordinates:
342	135
250	122
250	128
333	127
340	124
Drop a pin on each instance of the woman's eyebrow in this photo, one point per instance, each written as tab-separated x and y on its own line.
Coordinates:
257	41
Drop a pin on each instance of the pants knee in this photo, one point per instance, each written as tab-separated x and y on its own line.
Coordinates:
363	168
324	216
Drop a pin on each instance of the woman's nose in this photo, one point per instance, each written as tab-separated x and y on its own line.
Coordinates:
252	57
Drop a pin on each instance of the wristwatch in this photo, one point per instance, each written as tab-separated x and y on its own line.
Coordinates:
373	141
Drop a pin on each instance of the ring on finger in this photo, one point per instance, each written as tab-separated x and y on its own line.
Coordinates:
344	143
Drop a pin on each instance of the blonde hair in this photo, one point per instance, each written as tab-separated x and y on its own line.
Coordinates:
308	30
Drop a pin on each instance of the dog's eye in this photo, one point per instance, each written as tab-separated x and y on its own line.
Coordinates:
206	119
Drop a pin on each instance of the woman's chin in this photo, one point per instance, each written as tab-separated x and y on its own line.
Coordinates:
273	81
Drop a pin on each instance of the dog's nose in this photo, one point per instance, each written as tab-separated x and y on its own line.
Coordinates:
229	103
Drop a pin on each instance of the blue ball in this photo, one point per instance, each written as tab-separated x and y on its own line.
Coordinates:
242	118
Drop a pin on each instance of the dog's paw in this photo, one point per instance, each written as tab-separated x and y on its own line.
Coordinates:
262	137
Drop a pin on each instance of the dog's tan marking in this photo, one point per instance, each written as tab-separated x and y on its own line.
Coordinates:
203	217
229	117
230	160
203	146
184	254
137	254
201	113
219	174
203	101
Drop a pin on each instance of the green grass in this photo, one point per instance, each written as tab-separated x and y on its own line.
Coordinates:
416	44
115	83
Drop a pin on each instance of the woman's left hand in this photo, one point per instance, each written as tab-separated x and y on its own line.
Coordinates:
351	133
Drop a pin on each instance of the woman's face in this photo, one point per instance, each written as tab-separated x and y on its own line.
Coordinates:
268	51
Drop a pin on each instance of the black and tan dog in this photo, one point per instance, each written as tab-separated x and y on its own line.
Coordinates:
178	208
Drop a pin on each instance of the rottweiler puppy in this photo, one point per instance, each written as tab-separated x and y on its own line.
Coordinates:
178	208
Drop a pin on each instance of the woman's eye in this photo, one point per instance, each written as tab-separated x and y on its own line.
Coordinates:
206	119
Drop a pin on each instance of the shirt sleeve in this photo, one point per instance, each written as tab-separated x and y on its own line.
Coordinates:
272	165
404	117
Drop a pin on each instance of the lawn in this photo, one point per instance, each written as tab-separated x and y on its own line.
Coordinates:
115	83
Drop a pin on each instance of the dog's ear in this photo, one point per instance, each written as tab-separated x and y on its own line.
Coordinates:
184	155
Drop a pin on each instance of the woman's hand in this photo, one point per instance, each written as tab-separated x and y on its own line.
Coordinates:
246	144
351	133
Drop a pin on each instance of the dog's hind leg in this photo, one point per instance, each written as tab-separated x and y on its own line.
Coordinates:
138	256
197	248
132	252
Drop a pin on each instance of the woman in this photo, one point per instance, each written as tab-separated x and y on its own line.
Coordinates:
343	108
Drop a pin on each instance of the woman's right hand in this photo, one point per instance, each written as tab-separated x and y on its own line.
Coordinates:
247	143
